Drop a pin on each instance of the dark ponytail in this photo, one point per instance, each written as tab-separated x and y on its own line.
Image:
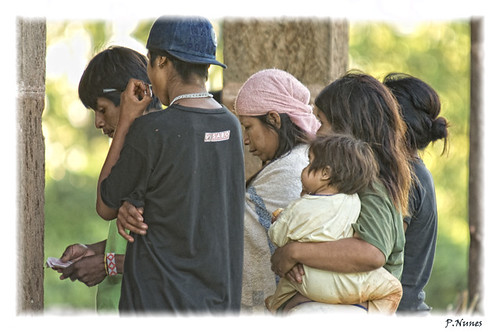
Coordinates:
420	107
439	130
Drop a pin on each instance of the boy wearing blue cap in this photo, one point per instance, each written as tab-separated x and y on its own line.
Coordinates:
175	179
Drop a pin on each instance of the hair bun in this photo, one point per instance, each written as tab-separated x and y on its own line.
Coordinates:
439	129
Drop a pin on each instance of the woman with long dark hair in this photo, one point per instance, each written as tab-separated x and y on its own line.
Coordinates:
359	105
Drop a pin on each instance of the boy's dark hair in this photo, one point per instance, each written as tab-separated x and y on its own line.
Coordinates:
184	69
112	69
352	164
420	107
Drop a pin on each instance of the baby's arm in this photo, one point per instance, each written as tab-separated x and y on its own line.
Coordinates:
290	224
278	231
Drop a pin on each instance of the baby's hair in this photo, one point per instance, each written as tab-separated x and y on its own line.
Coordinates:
352	163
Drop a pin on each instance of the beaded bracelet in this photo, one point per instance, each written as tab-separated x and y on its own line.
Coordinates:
106	264
111	264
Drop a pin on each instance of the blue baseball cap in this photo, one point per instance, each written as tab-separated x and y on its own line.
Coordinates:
190	39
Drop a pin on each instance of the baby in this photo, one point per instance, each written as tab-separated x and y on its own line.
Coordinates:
339	167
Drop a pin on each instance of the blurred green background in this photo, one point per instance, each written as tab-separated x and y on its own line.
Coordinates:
436	52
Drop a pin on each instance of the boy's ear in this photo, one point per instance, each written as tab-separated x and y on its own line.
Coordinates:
326	173
162	61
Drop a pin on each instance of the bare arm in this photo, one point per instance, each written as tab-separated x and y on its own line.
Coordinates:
134	101
347	255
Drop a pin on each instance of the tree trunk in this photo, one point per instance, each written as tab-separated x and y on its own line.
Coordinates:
31	49
475	278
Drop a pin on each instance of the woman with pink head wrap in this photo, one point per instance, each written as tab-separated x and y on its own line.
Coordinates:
276	90
273	108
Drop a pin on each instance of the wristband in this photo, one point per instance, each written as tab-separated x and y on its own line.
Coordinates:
111	264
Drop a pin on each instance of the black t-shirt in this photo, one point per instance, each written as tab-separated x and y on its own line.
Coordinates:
421	236
185	167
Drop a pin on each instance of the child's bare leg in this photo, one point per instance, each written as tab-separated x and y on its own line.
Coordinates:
295	301
299	299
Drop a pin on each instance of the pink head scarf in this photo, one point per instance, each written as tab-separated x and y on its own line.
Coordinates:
276	90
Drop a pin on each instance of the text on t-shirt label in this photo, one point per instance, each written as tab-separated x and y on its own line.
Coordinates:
217	137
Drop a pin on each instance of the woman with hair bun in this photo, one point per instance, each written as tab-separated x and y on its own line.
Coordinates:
420	107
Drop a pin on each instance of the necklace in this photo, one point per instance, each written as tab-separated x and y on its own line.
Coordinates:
191	95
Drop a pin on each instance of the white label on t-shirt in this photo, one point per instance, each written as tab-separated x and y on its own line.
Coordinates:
217	137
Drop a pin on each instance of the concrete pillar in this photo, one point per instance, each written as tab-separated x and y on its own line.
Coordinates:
31	49
313	50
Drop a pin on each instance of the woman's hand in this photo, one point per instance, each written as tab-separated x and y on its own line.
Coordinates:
130	218
296	273
134	100
283	264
